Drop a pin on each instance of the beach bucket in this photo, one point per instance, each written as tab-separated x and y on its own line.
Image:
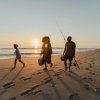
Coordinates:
62	58
40	61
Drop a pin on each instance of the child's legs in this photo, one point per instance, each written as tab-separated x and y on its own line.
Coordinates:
21	61
15	62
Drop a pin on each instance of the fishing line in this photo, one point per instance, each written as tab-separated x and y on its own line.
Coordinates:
60	31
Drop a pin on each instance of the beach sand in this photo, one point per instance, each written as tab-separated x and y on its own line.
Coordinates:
32	83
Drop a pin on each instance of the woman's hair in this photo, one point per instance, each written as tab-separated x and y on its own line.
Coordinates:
15	45
45	38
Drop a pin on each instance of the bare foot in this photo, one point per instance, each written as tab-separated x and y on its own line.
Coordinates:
51	65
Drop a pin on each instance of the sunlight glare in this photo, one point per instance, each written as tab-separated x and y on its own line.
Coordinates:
35	43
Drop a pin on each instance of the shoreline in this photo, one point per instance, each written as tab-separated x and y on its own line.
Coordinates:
38	54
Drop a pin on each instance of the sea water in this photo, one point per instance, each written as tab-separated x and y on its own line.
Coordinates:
33	52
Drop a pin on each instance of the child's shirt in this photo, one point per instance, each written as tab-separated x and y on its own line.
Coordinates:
17	53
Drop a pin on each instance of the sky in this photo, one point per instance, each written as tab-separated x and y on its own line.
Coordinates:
23	21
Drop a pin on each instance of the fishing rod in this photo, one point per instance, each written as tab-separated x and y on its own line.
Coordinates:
76	63
65	41
60	31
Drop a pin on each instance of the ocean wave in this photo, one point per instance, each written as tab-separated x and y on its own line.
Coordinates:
23	54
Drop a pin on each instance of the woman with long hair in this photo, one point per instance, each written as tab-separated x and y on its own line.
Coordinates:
46	52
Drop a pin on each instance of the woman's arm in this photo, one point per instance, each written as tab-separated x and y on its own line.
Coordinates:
42	50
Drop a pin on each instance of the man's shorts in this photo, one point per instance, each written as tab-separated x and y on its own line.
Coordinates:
68	57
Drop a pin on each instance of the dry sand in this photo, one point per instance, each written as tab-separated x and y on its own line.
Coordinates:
32	83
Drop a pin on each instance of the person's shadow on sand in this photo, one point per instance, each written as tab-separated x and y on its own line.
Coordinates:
58	95
72	95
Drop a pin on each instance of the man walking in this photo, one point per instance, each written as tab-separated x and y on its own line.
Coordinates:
69	52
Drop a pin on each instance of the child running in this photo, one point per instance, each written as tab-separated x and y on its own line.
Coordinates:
18	56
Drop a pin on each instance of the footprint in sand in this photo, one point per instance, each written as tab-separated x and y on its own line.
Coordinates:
92	73
90	79
39	73
21	78
9	85
90	65
28	78
14	98
26	92
87	69
33	74
34	87
36	92
84	78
